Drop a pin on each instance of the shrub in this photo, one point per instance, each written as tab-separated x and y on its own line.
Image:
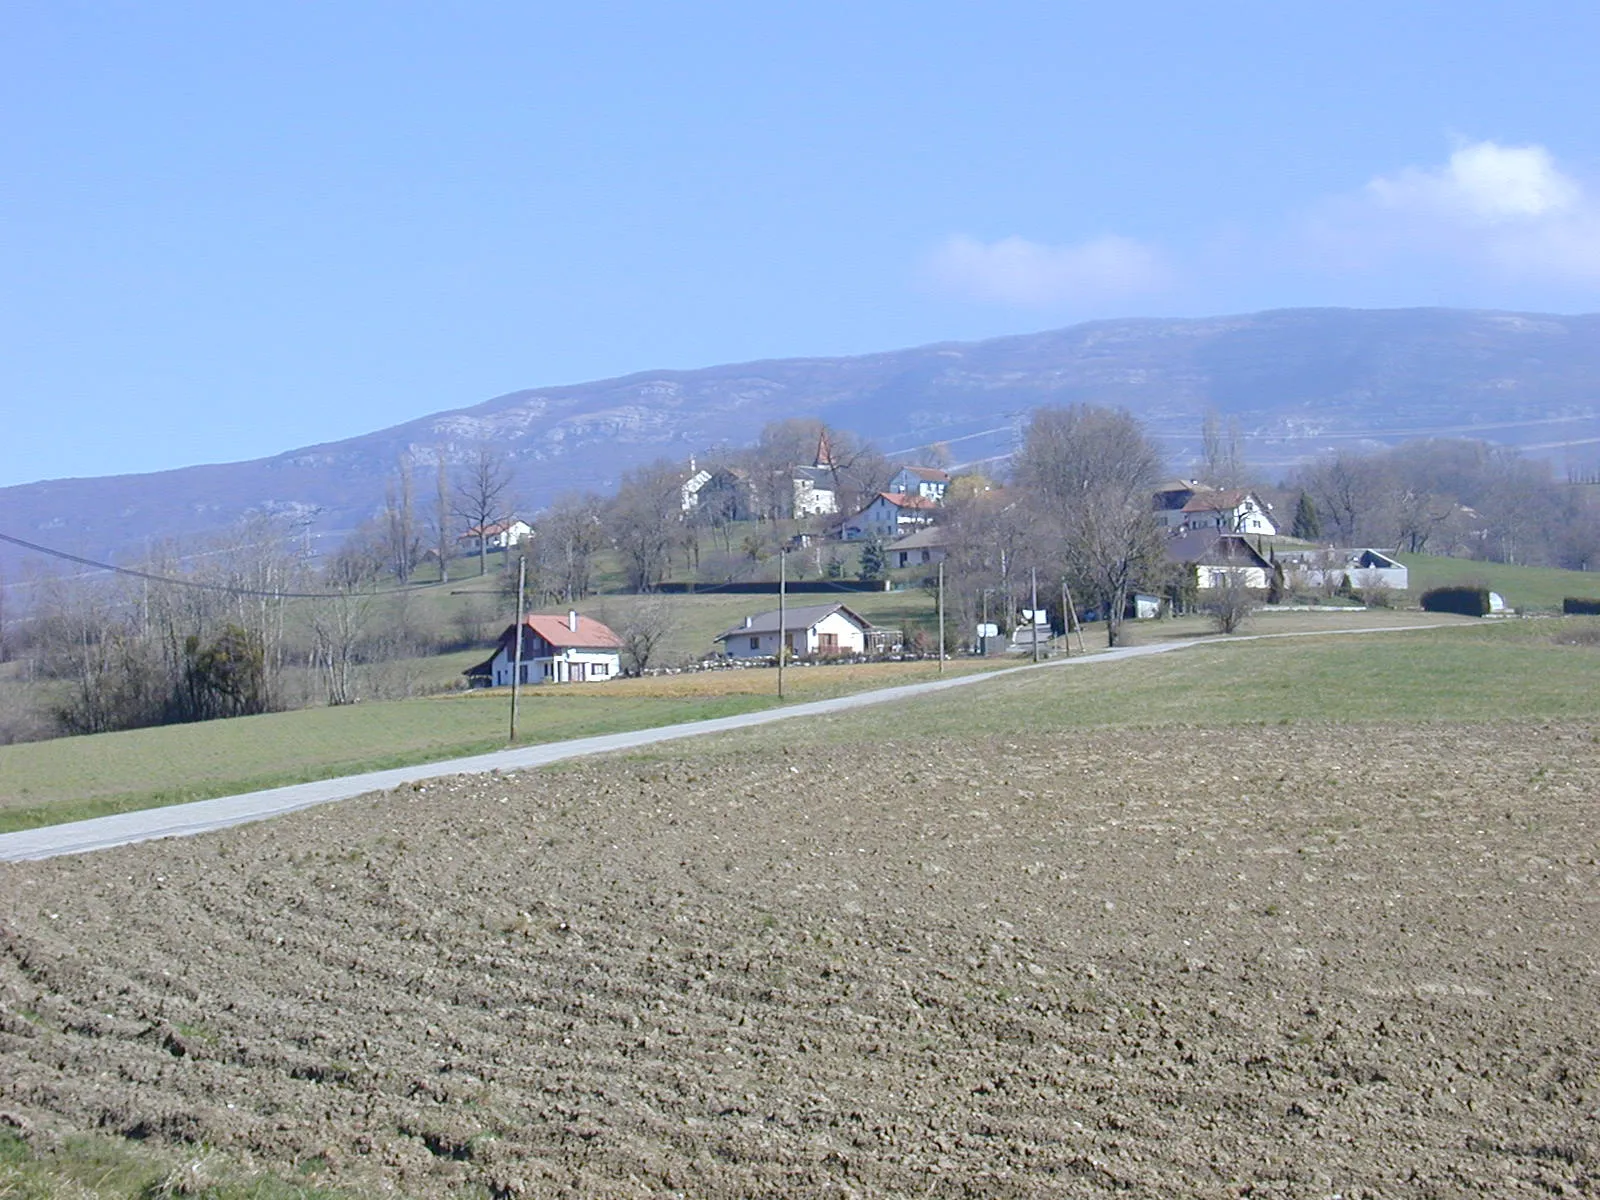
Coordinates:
1578	605
1467	601
1229	603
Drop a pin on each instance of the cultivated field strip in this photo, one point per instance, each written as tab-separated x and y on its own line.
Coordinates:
1310	960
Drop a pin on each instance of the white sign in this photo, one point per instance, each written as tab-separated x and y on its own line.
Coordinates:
1035	616
989	630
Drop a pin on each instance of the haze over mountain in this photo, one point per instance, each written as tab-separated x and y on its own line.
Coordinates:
1298	382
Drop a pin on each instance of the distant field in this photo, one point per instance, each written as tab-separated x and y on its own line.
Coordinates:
1472	672
1479	670
72	778
1537	588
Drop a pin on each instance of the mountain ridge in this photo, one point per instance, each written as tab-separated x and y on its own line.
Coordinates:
1297	381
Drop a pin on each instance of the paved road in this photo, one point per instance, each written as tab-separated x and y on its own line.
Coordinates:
203	816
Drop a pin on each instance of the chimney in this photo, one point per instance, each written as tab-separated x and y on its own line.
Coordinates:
749	621
572	620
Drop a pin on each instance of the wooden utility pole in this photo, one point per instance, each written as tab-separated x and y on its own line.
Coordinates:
516	662
941	618
1066	621
1071	608
783	588
1033	613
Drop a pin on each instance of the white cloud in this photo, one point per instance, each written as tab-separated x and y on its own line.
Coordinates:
1018	272
1509	212
1483	183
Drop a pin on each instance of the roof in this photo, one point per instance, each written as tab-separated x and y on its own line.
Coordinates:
931	474
1216	501
928	536
494	527
803	617
904	500
1215	550
552	627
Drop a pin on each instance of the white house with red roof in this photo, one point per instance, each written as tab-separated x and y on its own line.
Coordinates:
497	535
555	649
890	515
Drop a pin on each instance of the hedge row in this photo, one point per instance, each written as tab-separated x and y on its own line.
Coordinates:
1580	605
1468	601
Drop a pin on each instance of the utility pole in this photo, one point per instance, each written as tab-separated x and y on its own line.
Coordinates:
1076	624
1033	583
1066	621
516	663
941	617
783	588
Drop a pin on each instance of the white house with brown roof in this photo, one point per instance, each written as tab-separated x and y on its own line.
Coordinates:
810	630
555	649
1185	506
890	515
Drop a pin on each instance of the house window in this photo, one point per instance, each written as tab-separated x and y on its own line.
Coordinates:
599	670
828	643
524	672
755	643
549	670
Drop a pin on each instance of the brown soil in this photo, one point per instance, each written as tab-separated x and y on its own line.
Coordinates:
1287	961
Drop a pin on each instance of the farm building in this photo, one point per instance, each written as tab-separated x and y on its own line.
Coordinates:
555	649
1216	556
1364	567
817	629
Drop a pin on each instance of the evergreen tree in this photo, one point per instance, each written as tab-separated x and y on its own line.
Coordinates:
874	559
1307	525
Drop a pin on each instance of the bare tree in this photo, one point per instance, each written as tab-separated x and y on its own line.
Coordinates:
1229	602
339	625
443	543
1222	457
649	624
399	523
1090	472
481	496
646	516
570	534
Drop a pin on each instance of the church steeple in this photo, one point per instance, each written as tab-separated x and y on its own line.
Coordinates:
824	451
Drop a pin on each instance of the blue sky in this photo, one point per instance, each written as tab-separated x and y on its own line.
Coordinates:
228	230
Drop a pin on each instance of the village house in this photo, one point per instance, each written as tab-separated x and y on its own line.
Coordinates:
890	515
1215	557
497	535
1185	506
815	630
555	649
925	547
930	483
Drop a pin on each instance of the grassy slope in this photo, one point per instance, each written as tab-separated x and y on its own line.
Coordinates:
1478	672
1535	588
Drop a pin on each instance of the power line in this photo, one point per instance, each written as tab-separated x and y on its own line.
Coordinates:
201	585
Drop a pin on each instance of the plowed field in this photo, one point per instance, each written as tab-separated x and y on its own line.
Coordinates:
1292	961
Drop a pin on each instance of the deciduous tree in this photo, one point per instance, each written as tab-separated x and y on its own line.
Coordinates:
1091	472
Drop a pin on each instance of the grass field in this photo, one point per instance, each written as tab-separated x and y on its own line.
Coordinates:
1527	588
73	778
1472	672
